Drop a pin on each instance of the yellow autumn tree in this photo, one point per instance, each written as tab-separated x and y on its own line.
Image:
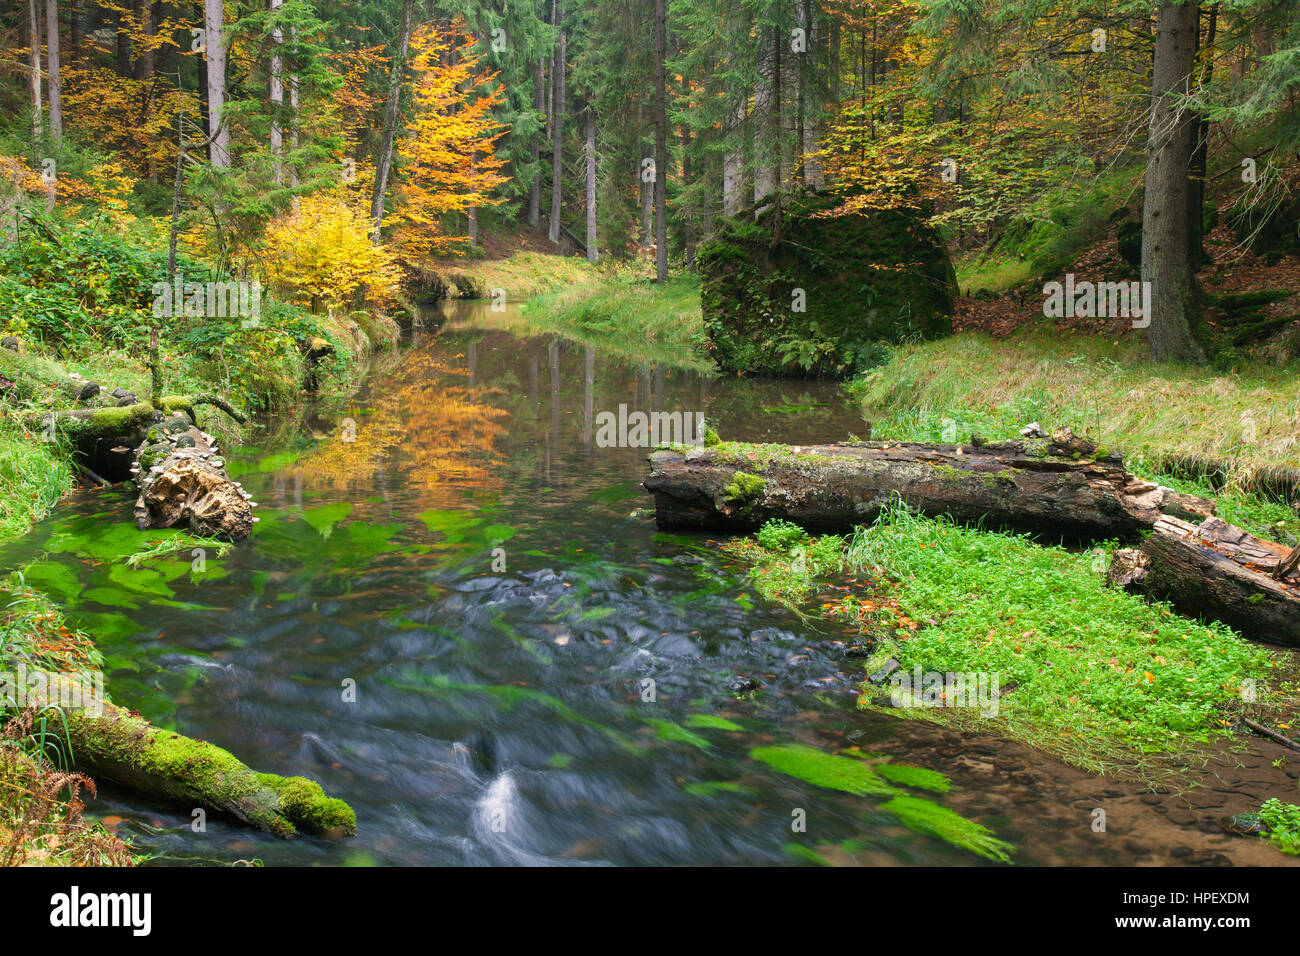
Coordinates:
323	251
449	162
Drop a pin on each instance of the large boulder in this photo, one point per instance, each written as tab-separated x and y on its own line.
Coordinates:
815	289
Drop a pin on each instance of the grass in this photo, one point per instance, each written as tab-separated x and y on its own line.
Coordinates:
615	308
620	312
33	476
1087	672
525	275
1248	419
786	564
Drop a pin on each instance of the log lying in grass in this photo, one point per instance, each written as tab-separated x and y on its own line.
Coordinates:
114	744
1216	570
1062	488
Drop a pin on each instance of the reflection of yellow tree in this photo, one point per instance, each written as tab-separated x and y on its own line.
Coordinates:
428	433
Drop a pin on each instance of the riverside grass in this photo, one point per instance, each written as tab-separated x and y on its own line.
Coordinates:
616	308
1089	673
629	315
1106	388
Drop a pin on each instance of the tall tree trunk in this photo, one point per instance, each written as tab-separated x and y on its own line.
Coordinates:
688	227
535	190
647	211
661	141
764	97
1166	265
810	106
733	161
293	125
34	63
591	184
214	20
276	91
52	59
1200	156
147	26
203	75
384	163
123	48
557	149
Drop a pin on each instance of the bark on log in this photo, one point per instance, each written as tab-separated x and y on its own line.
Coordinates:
1062	488
183	483
112	743
1218	571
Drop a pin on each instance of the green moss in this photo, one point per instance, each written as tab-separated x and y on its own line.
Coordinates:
858	278
823	769
951	473
926	816
743	489
304	802
127	747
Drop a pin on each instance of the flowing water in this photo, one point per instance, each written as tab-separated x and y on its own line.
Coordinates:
451	615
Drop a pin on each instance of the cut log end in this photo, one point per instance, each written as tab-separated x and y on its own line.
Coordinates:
1216	571
183	483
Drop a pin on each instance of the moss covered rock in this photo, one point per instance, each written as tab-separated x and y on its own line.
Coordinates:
814	288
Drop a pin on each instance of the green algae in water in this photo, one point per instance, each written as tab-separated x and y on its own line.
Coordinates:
926	816
712	722
455	526
911	776
803	853
324	517
823	769
916	813
709	788
621	491
506	696
667	730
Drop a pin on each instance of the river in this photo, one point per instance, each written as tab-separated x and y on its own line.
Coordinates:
453	617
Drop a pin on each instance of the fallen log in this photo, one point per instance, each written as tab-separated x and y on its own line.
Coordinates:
1058	488
1218	571
112	743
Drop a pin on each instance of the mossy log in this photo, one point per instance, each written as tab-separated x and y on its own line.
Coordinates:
1217	571
1062	488
114	744
105	436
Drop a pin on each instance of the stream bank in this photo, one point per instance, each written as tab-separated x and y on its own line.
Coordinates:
62	424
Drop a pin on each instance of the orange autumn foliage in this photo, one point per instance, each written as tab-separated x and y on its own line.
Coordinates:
448	161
